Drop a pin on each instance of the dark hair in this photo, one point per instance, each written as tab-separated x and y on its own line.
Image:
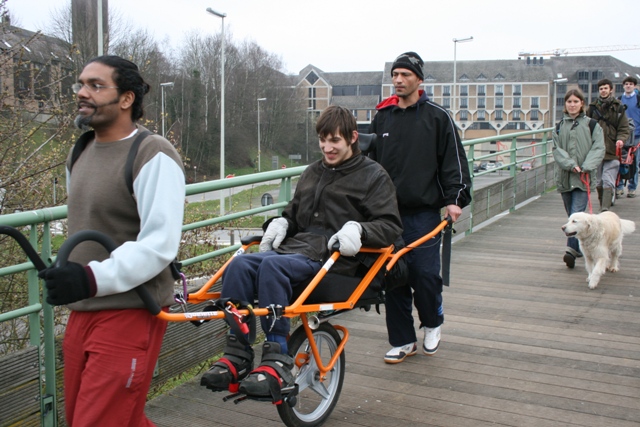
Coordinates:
603	82
573	92
630	79
127	77
338	120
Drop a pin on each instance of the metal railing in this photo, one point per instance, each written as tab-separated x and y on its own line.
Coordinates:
37	224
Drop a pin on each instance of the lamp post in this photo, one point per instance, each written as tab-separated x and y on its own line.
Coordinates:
222	16
195	169
162	86
455	43
307	146
259	99
555	96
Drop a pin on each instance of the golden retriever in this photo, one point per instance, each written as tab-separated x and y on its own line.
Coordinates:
600	238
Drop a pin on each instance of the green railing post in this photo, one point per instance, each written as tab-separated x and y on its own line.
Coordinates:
49	403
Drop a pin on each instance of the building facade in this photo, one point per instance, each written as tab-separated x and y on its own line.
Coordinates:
491	98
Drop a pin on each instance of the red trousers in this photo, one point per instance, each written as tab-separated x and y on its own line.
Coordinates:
109	359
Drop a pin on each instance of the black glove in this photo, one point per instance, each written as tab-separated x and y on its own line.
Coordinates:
67	284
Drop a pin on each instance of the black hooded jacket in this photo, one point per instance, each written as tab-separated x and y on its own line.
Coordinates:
326	198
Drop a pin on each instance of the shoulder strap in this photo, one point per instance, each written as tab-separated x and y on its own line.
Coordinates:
592	124
84	139
558	126
128	168
80	145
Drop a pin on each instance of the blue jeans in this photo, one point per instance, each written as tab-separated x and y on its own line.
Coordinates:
574	201
425	284
271	276
633	181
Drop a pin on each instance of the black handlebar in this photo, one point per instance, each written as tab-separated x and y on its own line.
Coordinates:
25	245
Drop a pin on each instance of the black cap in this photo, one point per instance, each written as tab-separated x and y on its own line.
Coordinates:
410	61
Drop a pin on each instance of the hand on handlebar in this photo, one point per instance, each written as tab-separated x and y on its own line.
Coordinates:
619	144
453	211
275	234
349	238
68	284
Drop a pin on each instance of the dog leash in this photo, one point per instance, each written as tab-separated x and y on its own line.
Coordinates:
584	178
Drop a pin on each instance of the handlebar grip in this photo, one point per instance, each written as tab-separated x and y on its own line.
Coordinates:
108	243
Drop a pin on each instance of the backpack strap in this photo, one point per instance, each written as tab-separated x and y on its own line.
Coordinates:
80	145
128	168
592	125
86	137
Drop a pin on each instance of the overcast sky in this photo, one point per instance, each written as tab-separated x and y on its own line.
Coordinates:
358	35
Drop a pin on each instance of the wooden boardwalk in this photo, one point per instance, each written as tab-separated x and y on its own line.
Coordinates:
525	343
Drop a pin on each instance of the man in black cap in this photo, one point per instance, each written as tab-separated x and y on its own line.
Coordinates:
420	148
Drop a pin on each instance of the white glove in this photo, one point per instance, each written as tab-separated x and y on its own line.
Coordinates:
275	234
349	238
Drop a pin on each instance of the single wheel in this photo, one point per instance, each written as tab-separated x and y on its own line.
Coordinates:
316	399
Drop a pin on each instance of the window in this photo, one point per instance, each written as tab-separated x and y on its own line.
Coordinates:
583	75
429	90
596	75
481	90
515	115
499	102
429	78
594	87
446	102
499	76
535	102
499	115
534	115
344	90
481	77
481	115
464	102
499	89
464	115
516	102
370	90
446	90
312	77
312	92
481	102
517	89
464	78
464	90
585	89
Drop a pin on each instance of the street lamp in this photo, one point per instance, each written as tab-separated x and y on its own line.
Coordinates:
221	15
259	99
308	111
195	169
162	86
555	96
455	43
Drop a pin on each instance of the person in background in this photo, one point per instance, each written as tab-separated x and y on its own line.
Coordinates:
346	198
609	113
419	146
631	100
112	342
578	150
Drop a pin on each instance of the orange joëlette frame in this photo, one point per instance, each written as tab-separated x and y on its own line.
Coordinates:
298	307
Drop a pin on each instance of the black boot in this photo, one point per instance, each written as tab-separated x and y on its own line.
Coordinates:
607	199
273	374
234	365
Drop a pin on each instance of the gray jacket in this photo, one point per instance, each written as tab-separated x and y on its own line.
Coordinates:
575	145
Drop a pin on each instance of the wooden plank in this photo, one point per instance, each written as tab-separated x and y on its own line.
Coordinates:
525	342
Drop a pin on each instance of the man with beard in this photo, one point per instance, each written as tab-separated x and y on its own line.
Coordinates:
112	342
420	148
609	113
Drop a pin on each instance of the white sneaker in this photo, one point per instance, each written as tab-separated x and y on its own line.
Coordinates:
431	340
398	354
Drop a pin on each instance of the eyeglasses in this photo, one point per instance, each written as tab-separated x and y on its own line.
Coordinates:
92	87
